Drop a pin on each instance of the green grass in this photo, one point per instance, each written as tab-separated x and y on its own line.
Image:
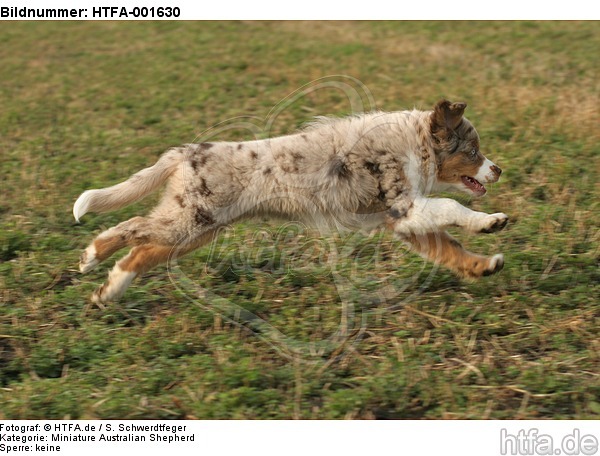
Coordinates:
86	104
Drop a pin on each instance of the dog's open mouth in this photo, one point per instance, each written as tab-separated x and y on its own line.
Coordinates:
474	185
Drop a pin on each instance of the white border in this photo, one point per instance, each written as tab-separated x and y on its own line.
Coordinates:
348	10
348	438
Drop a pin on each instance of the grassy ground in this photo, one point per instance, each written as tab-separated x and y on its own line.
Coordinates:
288	335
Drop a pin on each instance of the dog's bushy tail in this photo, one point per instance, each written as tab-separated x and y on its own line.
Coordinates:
133	189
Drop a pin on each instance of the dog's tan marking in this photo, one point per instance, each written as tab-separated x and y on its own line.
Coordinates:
105	247
144	257
101	249
443	249
458	165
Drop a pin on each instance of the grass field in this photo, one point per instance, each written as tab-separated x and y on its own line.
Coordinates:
381	335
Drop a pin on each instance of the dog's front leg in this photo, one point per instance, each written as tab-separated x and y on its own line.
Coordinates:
441	248
425	215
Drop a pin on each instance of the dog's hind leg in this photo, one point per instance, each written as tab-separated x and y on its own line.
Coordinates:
139	260
134	231
442	248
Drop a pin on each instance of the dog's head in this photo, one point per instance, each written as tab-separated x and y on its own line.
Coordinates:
460	163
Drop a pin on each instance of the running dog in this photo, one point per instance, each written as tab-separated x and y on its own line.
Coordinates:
357	172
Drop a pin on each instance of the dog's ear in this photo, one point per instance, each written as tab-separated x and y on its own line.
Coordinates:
448	115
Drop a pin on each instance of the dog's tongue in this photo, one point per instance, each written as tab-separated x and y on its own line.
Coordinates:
473	184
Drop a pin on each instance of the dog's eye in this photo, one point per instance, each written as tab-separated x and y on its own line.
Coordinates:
473	153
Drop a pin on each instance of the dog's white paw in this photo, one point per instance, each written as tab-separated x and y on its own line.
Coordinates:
492	223
118	281
495	265
97	296
88	260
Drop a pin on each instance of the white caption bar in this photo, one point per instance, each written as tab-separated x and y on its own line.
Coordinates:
308	9
266	438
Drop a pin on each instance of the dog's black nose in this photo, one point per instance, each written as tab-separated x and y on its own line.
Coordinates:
496	170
